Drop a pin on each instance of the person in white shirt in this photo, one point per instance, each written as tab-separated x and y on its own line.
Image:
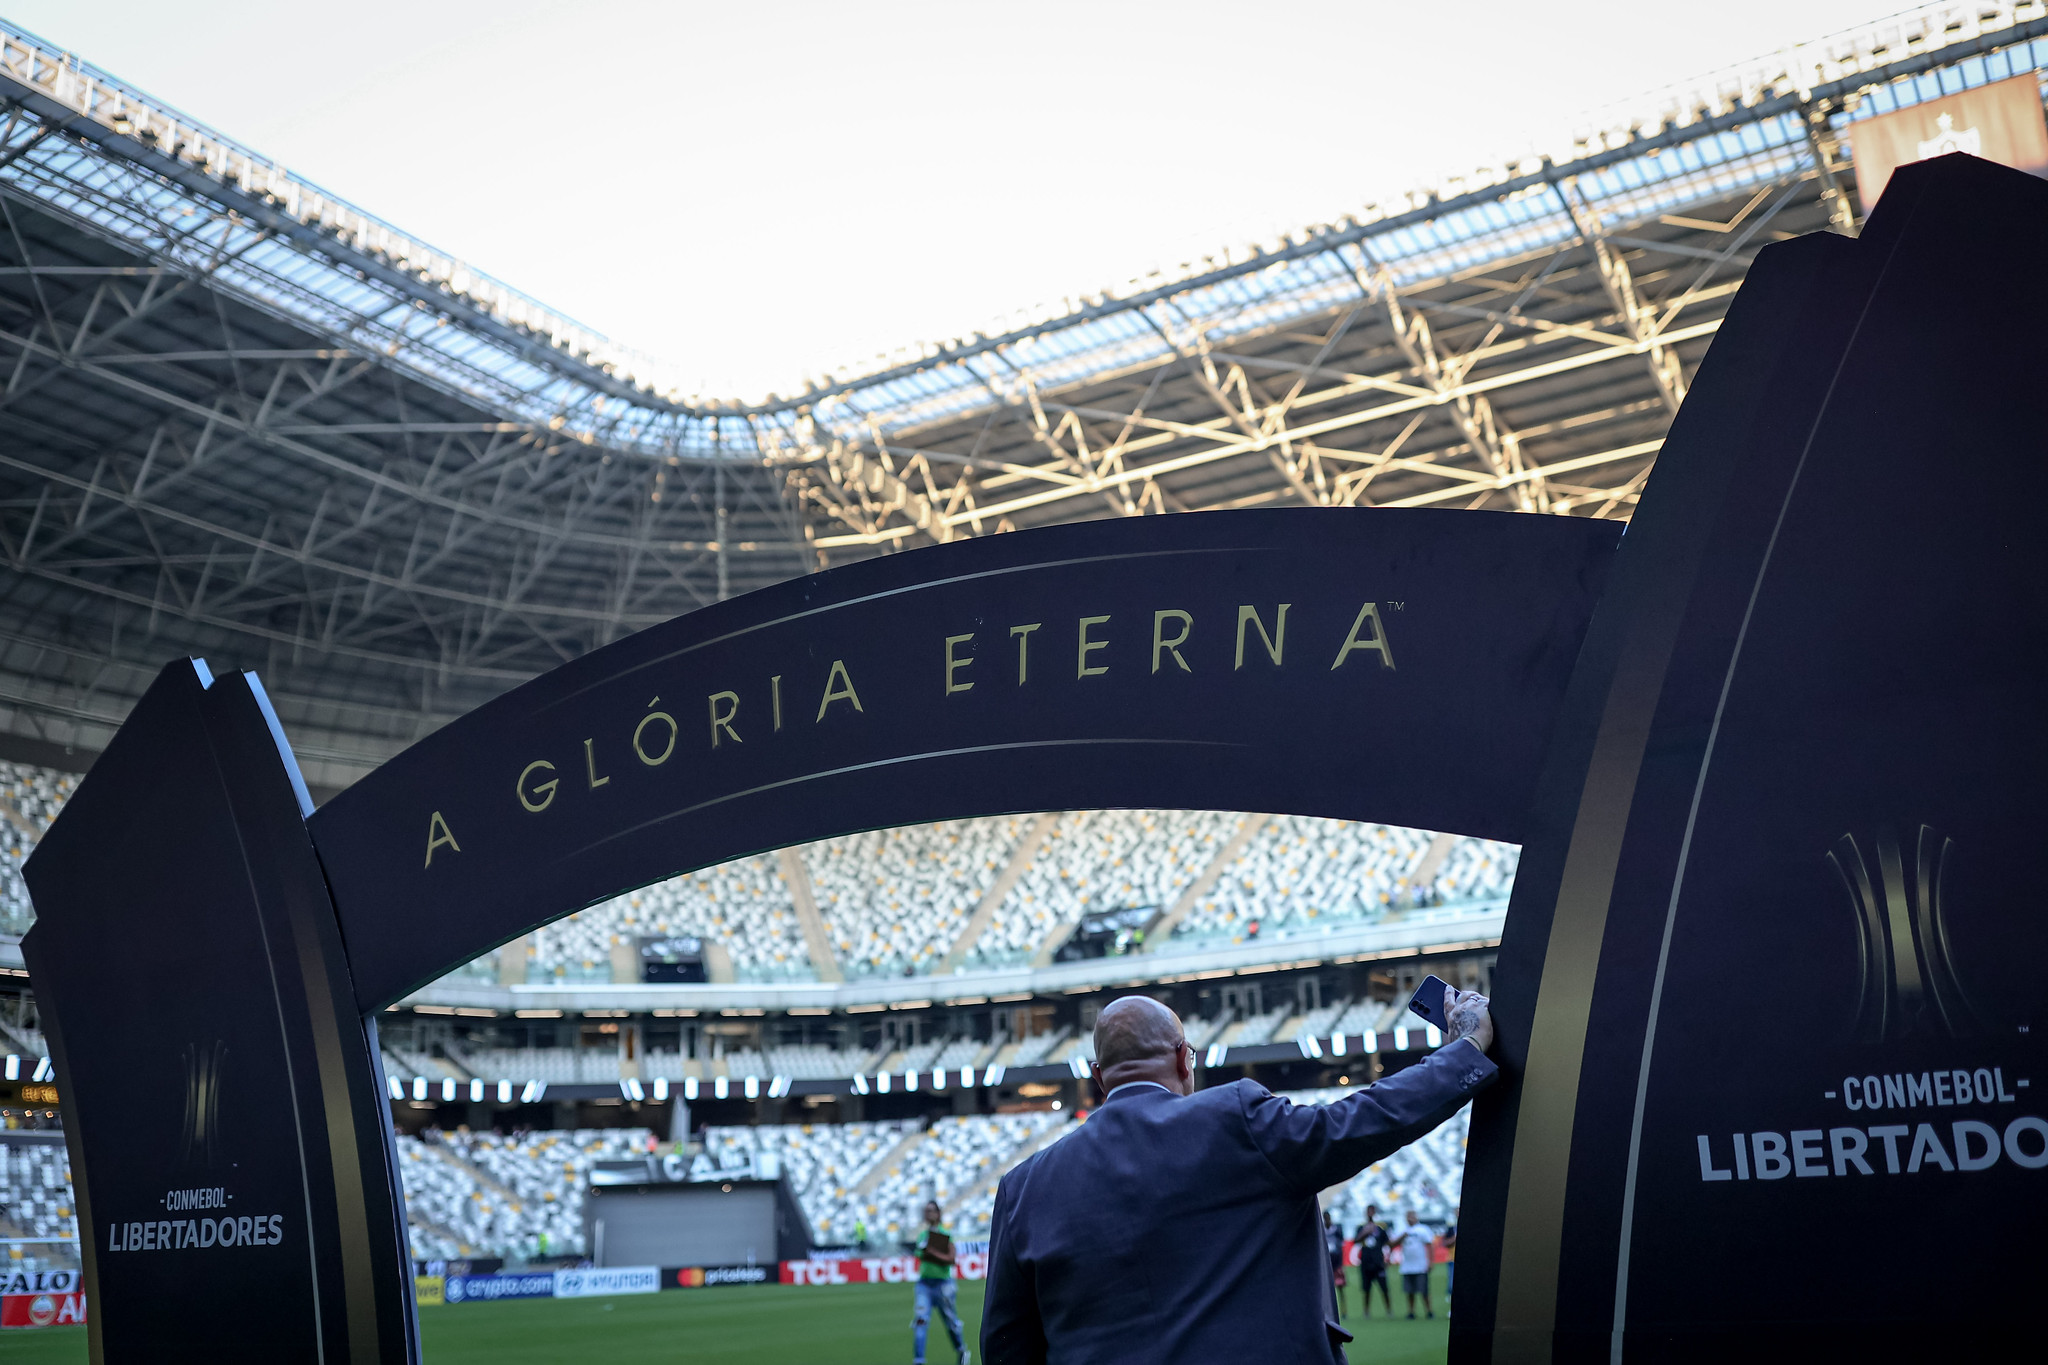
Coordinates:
1412	1244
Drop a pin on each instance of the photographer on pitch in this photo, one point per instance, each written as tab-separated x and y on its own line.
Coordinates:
1178	1225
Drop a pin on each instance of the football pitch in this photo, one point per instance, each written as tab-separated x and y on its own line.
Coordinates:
742	1325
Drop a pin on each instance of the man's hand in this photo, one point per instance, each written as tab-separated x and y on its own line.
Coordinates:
1467	1015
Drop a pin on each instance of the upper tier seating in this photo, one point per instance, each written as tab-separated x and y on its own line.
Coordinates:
895	900
1427	1175
1101	860
30	798
743	905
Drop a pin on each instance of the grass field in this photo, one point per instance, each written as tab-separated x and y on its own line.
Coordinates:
742	1325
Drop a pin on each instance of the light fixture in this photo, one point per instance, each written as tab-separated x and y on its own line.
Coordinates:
967	1078
753	1087
504	1092
476	1091
391	1083
1337	1045
532	1092
1400	1040
992	1076
1434	1034
689	1088
718	1087
860	1084
881	1082
1372	1043
13	1066
448	1090
910	1079
660	1089
419	1087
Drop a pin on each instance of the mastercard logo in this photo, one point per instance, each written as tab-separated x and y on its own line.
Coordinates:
690	1277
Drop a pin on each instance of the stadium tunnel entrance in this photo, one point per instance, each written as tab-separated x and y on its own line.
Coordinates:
1394	667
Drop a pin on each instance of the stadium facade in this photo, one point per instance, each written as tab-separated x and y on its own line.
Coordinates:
246	420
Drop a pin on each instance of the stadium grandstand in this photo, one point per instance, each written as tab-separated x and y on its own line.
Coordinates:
246	420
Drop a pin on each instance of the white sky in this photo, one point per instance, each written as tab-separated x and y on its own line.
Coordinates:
757	192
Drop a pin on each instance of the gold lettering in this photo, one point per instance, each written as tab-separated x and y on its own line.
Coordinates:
541	795
438	834
1160	644
835	691
775	698
722	720
954	665
1086	646
1378	641
639	746
1023	634
1275	643
590	766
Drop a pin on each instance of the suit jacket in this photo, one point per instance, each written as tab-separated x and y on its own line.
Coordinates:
1185	1229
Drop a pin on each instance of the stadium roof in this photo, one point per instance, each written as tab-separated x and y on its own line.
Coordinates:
245	419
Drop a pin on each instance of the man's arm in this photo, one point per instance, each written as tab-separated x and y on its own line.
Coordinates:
1011	1331
1315	1146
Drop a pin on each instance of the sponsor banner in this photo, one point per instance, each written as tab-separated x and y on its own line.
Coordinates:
42	1310
428	1290
973	1265
624	1279
711	1276
2000	122
539	1284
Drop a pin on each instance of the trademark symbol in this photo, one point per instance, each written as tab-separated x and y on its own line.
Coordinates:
1397	606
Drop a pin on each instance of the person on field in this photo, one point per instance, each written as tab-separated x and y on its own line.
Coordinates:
1181	1225
1413	1243
1448	1240
1372	1243
1333	1242
935	1290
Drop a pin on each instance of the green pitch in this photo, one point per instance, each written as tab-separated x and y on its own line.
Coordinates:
741	1325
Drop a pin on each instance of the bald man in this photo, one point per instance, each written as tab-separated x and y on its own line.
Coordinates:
1181	1225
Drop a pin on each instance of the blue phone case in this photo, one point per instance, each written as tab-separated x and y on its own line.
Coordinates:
1429	999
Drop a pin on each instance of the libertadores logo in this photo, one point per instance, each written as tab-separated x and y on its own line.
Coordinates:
1908	984
201	1132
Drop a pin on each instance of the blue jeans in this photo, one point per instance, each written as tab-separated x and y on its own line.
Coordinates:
939	1295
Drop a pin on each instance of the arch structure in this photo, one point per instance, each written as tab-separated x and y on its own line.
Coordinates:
1795	679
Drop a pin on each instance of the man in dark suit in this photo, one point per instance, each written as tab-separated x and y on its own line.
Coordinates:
1181	1226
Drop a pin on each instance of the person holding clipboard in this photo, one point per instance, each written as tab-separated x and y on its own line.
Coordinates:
935	1291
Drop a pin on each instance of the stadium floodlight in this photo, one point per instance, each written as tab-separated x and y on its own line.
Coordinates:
1400	1040
1214	1057
910	1078
938	1078
630	1088
993	1076
1336	1045
533	1091
753	1087
1372	1043
860	1084
1434	1034
718	1087
504	1092
419	1087
476	1091
689	1088
881	1082
1310	1045
46	1070
13	1066
448	1090
660	1089
778	1087
967	1078
391	1083
1079	1066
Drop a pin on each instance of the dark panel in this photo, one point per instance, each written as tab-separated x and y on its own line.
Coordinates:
1819	798
621	768
216	1074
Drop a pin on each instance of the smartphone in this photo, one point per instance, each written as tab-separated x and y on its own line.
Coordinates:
1432	1001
